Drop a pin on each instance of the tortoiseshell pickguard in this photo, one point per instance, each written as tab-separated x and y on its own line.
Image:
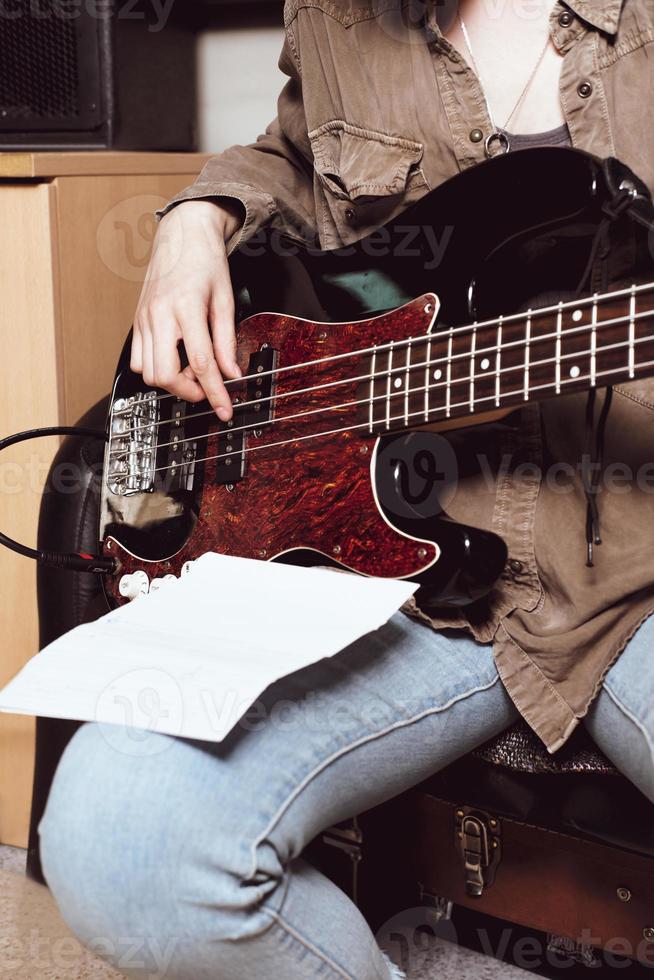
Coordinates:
310	493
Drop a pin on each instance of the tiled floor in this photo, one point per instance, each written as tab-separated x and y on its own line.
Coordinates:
36	945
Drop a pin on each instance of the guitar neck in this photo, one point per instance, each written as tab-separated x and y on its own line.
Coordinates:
498	364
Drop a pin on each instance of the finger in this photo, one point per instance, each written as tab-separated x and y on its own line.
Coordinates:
148	356
202	363
167	366
223	333
136	355
189	373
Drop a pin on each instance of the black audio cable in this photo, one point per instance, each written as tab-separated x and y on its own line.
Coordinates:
72	561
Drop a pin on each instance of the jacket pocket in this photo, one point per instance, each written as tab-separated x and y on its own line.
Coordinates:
363	179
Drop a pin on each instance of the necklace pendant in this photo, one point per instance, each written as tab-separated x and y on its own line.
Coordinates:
502	141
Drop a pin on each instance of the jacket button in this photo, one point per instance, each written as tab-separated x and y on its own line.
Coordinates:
476	136
584	89
565	19
515	566
350	215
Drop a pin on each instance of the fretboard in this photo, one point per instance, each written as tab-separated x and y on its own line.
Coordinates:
501	363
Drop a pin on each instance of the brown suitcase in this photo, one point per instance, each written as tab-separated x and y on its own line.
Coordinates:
567	852
594	894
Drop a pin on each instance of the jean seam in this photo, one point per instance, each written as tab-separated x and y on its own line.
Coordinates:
349	748
317	952
631	716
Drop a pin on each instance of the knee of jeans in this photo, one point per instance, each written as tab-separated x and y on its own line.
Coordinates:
129	839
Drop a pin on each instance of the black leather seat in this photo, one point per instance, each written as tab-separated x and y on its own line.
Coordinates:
67	522
578	791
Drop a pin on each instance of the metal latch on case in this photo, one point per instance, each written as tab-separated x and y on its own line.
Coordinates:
479	840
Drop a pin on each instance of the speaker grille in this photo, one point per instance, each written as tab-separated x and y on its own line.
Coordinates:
39	73
48	68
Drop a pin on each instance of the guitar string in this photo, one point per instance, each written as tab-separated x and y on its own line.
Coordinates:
464	355
399	392
442	334
396	418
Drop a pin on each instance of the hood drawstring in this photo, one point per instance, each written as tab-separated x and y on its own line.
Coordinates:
592	460
592	463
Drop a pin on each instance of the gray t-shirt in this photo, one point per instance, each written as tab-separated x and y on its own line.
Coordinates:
560	136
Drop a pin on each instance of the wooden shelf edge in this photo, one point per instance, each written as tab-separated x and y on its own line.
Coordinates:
26	165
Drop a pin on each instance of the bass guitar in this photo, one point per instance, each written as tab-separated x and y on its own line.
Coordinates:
360	364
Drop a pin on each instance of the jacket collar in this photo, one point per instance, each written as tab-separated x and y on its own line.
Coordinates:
602	14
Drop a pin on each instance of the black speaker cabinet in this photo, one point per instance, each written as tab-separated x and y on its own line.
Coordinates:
82	74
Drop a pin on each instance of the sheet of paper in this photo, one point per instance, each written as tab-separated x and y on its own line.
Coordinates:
191	658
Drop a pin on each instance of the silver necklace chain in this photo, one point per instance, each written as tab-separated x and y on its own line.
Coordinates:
497	135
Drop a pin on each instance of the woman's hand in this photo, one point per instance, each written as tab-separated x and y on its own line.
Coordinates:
187	295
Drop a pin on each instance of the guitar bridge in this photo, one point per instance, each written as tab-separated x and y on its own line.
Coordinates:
132	450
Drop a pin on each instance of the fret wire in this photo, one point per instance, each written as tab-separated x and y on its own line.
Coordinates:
448	384
559	320
427	378
527	346
406	383
593	343
473	346
498	363
372	390
548	384
619	345
632	332
388	385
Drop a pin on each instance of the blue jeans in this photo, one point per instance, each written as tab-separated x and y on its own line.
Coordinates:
176	858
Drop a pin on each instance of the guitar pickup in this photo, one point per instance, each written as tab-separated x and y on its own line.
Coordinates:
260	386
182	451
230	450
254	411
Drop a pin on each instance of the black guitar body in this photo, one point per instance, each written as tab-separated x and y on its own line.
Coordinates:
489	242
494	240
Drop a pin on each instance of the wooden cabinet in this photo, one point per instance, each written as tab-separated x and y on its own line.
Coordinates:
76	233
